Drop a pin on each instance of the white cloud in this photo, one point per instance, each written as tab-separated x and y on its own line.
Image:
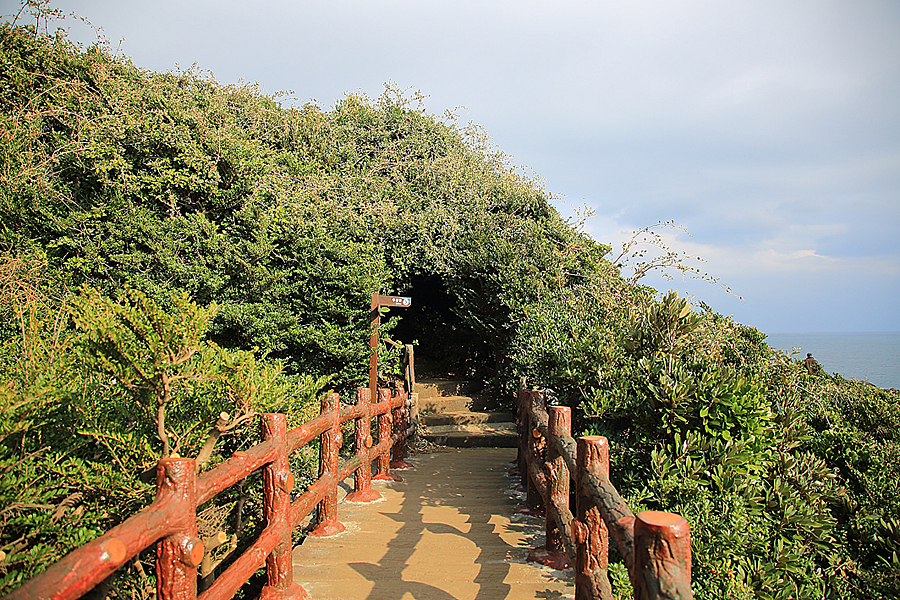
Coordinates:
769	128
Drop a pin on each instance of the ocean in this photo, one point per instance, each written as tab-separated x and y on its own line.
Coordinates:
872	357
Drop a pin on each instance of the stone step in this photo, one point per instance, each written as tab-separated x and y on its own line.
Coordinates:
433	388
445	404
495	435
454	414
465	418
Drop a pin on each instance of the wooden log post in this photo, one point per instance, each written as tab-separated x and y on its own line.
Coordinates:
385	425
592	560
662	557
278	482
401	428
557	473
534	448
412	404
178	555
362	480
560	423
522	429
329	446
409	369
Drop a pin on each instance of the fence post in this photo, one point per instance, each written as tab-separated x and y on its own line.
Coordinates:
362	481
178	555
592	560
553	554
401	427
412	402
559	424
534	449
522	430
662	557
409	369
278	482
385	422
329	446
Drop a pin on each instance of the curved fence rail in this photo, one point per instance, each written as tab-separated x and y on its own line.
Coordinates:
655	545
171	520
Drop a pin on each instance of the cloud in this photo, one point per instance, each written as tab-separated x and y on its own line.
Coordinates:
792	249
770	129
773	276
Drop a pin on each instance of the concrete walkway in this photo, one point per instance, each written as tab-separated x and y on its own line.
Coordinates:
449	531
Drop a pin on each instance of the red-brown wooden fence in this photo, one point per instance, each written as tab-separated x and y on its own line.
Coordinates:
655	545
171	520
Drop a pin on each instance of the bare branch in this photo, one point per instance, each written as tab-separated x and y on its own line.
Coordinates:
640	254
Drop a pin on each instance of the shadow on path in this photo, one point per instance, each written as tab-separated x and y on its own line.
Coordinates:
444	533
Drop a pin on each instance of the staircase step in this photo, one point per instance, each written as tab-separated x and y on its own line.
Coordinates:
445	404
433	388
497	435
465	418
454	414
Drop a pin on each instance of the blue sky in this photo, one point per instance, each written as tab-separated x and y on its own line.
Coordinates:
769	129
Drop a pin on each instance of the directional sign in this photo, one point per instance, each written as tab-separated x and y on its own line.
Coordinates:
396	301
379	301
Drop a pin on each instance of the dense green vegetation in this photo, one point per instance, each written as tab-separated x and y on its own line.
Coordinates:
173	249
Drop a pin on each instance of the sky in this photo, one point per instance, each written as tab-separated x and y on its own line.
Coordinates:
768	130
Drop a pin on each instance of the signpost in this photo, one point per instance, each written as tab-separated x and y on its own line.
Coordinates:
379	301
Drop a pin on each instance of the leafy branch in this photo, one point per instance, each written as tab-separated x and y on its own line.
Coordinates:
148	351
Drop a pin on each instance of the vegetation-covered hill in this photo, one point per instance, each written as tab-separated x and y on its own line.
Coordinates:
174	248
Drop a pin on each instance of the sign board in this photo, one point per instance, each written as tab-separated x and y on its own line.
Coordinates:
379	301
395	301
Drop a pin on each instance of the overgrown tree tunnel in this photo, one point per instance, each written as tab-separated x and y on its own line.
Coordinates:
446	341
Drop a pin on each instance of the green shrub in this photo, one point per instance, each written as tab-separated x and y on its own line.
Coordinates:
88	410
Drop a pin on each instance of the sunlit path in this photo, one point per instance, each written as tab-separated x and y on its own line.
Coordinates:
448	531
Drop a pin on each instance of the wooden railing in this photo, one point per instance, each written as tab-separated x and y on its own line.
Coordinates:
172	517
655	545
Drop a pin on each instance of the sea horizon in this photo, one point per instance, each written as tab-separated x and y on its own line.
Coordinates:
866	356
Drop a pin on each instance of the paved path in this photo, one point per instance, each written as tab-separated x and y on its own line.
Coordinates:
447	532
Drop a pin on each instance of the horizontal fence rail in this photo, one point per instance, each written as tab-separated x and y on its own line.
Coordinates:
171	520
655	545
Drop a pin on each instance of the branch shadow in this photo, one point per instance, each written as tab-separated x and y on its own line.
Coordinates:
447	498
